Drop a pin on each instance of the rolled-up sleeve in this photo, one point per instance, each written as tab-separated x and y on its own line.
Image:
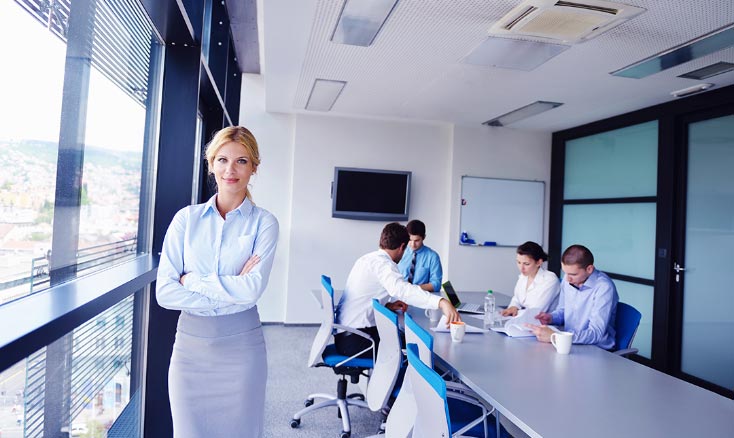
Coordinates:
396	286
436	272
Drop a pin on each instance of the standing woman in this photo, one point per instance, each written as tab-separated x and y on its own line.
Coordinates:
214	266
535	287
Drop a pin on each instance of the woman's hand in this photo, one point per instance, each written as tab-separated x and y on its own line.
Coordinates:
250	263
510	311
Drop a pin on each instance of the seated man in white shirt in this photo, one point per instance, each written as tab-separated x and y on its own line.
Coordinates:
376	275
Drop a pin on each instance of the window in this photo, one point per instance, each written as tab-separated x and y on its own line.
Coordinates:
73	135
79	120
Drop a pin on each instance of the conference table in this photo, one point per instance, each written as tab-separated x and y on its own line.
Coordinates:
588	393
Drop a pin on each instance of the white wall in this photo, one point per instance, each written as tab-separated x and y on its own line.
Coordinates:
321	244
496	153
272	187
299	153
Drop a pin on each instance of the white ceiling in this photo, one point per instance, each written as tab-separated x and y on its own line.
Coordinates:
413	69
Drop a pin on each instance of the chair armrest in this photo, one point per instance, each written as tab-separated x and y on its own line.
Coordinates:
626	351
358	333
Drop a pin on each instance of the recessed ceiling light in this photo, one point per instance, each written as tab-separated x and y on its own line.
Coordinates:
323	94
696	48
361	20
522	113
513	54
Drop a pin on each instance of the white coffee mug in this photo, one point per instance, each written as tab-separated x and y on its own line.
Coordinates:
562	341
433	314
457	328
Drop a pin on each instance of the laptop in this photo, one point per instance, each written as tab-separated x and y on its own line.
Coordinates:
461	307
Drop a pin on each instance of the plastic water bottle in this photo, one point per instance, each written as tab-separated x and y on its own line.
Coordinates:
489	308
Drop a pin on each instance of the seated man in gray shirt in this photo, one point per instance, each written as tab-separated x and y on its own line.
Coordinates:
376	275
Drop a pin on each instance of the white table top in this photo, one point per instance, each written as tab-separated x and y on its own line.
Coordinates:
589	392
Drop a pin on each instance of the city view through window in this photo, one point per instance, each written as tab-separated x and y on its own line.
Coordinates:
30	114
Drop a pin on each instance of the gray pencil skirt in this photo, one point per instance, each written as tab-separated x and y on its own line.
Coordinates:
217	377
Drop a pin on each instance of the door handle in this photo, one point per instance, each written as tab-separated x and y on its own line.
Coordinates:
678	269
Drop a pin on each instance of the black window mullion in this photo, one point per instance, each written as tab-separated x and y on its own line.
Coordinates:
629	200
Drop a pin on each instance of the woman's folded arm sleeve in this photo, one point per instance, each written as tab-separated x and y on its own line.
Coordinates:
170	294
242	289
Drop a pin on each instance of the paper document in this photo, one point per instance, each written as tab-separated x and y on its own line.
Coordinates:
441	327
497	317
515	327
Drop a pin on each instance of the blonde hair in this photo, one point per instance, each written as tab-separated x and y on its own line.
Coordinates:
237	134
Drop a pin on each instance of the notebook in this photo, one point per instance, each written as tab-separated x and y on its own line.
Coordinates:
448	288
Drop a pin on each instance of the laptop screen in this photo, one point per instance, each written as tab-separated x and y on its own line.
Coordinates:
451	294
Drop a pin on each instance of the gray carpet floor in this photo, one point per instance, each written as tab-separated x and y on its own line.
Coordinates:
290	380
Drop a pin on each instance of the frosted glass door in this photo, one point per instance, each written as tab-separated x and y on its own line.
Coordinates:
708	289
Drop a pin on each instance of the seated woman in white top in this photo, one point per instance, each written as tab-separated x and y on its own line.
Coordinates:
535	287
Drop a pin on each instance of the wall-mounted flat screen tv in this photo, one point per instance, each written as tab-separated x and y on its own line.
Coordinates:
369	194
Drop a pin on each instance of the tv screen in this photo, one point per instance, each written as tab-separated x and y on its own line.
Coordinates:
368	194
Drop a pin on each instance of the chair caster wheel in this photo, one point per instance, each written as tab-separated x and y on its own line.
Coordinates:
308	402
295	423
345	435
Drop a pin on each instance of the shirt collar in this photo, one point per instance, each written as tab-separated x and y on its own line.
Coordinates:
540	273
211	205
591	281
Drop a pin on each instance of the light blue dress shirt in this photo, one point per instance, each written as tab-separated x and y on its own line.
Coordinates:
212	252
427	267
589	311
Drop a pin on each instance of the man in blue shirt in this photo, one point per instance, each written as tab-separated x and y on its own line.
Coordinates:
588	302
420	264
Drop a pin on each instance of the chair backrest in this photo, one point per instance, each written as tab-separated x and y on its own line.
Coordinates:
402	415
626	323
323	336
389	357
429	389
415	334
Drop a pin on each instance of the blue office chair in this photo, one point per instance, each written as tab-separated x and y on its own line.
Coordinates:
463	401
432	419
387	366
324	354
626	323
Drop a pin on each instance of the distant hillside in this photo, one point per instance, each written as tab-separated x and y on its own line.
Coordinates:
47	151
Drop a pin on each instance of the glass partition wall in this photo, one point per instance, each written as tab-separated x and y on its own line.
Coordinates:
651	194
609	206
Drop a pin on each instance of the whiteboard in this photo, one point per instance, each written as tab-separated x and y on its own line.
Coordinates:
502	212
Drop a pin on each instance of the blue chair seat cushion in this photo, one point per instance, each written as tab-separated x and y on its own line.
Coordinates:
332	358
462	413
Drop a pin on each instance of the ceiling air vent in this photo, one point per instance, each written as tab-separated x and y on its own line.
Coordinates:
563	21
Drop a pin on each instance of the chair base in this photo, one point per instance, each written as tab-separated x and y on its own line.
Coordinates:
342	402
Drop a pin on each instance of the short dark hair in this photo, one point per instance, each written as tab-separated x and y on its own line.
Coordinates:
416	228
577	255
394	235
532	250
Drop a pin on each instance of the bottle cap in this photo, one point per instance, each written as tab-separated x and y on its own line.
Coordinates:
489	292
